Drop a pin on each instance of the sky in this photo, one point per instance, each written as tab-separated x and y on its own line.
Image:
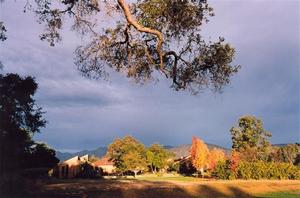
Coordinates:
86	114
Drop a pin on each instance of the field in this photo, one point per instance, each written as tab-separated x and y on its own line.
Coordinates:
173	186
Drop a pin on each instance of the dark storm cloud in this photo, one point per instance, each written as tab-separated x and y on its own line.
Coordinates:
87	114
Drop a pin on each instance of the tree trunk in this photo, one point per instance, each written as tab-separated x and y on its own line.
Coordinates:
202	172
135	172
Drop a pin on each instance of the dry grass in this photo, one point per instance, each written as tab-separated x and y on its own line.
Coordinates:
168	188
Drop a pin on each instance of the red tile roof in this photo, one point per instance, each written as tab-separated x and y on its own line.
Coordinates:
103	161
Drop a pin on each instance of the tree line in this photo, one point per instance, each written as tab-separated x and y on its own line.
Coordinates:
21	119
252	156
128	154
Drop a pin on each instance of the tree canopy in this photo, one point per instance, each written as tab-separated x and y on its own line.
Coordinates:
249	133
20	119
289	153
41	156
3	31
128	154
141	37
250	137
215	155
157	157
199	154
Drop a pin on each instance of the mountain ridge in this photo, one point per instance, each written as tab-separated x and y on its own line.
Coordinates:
179	150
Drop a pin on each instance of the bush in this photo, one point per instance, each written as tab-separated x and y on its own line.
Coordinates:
174	167
88	171
186	168
12	185
223	171
34	173
267	170
257	170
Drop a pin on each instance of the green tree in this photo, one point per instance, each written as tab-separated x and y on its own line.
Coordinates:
289	153
142	37
20	119
250	138
41	156
135	160
128	154
158	157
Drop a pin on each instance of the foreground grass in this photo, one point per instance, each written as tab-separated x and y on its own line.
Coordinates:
152	186
175	178
294	194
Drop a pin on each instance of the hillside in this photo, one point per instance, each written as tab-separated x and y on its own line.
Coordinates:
181	150
98	152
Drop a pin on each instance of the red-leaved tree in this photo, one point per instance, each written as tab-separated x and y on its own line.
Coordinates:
216	155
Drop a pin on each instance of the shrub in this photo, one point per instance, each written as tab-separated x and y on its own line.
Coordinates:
267	170
257	170
223	171
174	167
186	168
87	171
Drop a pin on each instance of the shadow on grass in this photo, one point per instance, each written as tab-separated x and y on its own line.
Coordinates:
128	188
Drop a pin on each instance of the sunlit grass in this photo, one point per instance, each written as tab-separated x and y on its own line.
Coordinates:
177	178
294	194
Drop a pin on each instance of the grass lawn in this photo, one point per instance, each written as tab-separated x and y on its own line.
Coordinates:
293	194
152	186
175	178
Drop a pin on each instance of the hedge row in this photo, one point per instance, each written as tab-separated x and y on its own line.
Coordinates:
257	170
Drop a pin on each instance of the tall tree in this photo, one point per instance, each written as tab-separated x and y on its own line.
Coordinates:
141	37
20	119
128	154
199	154
250	138
135	160
157	157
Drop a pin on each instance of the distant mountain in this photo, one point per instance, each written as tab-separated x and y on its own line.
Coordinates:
283	145
99	152
180	151
184	150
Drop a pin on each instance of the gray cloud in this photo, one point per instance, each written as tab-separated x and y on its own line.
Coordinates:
87	114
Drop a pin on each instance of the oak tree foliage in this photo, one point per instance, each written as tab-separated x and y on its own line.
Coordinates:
20	119
140	38
249	133
3	31
158	157
250	138
127	154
